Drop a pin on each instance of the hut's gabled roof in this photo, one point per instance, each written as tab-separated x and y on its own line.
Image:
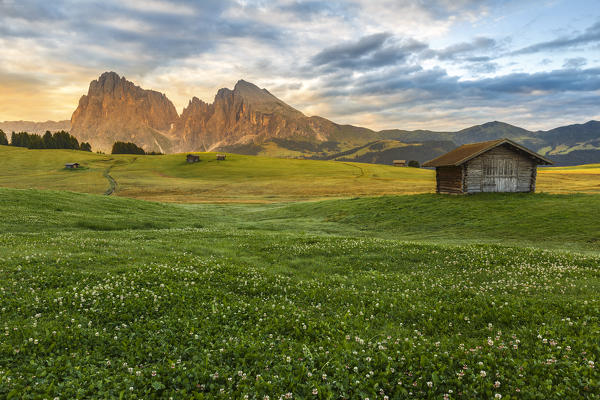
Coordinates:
466	152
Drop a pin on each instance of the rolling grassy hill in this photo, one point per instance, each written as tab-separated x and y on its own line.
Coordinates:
354	297
112	297
239	178
567	222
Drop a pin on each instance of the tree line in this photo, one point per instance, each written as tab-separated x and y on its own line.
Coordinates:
64	140
130	148
56	140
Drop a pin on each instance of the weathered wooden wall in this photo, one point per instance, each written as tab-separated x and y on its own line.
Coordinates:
502	169
449	179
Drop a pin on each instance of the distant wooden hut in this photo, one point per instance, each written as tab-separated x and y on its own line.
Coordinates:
192	158
221	157
72	165
494	166
399	163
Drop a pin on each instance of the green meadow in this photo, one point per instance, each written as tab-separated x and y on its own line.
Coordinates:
232	287
239	179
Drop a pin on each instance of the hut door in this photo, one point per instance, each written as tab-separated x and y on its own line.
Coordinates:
499	175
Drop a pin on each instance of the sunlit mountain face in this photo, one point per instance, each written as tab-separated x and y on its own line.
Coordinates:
439	64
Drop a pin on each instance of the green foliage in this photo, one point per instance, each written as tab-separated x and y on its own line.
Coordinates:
85	146
35	142
127	148
49	142
213	301
20	139
58	140
3	139
414	164
63	140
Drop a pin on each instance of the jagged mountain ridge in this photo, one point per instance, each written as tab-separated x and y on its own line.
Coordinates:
247	119
242	115
115	109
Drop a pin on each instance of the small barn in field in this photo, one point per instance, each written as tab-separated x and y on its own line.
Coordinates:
494	166
399	163
192	158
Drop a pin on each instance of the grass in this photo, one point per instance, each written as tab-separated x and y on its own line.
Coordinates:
422	296
581	178
566	222
112	297
239	179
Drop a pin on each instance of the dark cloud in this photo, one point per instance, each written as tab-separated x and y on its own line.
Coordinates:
564	80
436	84
157	31
404	94
589	36
369	52
349	51
379	72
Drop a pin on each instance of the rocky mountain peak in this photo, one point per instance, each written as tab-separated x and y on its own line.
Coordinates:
116	109
109	76
108	82
243	86
253	93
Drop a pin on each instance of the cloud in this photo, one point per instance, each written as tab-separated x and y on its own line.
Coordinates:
382	63
478	44
484	67
369	52
589	36
155	31
350	51
316	8
564	80
574	63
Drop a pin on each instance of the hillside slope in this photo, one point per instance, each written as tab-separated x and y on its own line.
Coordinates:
564	221
239	178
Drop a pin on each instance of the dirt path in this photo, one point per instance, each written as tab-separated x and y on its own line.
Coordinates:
362	171
111	182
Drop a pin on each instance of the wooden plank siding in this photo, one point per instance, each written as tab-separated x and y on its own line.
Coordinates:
502	169
449	179
493	166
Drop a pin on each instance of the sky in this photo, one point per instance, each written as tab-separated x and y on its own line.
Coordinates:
381	64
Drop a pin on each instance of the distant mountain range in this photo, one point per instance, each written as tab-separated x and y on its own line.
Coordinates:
250	120
35	127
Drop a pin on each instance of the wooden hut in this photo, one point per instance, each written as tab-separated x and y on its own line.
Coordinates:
221	157
494	166
191	158
399	163
72	165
